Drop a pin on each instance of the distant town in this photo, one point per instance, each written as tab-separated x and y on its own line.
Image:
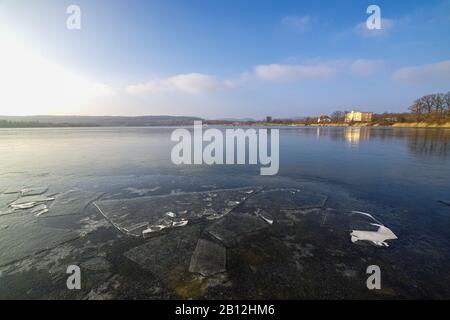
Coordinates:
431	110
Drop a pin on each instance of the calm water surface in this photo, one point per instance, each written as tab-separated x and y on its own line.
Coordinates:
394	165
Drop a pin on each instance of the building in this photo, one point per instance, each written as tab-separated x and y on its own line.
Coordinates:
358	116
324	119
268	119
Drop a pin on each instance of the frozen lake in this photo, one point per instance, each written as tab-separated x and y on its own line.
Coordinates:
84	196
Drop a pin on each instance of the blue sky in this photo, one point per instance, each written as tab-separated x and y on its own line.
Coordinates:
221	58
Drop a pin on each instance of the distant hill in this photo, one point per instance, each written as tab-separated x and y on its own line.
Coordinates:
235	119
103	121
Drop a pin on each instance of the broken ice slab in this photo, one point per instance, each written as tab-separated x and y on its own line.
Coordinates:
266	216
39	210
171	214
13	190
143	191
124	214
28	202
6	212
286	199
167	255
378	237
162	224
96	264
180	223
376	233
234	226
209	258
72	202
33	191
25	236
5	200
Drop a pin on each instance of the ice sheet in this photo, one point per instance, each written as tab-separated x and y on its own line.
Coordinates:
168	254
209	258
25	236
33	191
286	199
170	211
28	202
378	237
231	228
72	202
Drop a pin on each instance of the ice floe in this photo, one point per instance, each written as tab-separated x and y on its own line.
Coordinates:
231	228
158	213
143	191
26	236
72	202
13	190
33	191
267	217
209	258
377	237
167	255
39	210
286	199
28	202
96	264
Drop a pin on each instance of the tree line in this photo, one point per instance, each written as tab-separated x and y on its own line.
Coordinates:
37	124
429	108
433	107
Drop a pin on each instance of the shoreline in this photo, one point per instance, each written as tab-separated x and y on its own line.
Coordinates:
255	124
395	125
357	125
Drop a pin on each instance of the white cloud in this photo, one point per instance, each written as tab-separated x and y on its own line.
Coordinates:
319	70
290	72
301	24
386	26
190	83
428	73
366	67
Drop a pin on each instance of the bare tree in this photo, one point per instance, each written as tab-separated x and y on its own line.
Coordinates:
446	103
338	116
431	107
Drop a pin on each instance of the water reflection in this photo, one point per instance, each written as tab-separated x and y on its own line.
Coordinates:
430	142
354	135
423	142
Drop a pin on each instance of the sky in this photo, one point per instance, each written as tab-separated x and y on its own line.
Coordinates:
220	58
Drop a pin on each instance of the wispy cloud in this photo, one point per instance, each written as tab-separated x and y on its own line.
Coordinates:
198	83
289	72
190	83
366	67
386	26
429	73
320	70
298	23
